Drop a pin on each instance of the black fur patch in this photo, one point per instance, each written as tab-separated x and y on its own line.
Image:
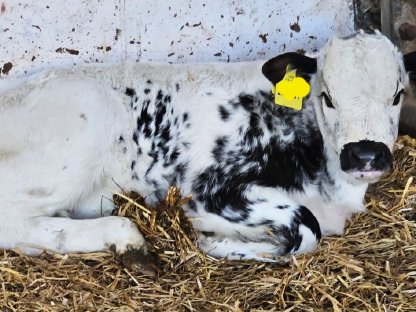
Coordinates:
307	218
145	119
130	92
261	223
288	165
282	206
191	205
159	95
218	151
160	113
135	138
135	176
167	99
254	131
180	171
217	191
246	101
224	113
291	235
239	254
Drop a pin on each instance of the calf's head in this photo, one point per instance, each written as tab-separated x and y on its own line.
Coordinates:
357	86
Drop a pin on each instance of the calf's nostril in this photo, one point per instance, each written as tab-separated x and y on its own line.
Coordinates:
379	154
354	154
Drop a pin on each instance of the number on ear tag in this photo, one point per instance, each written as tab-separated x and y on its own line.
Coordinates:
291	90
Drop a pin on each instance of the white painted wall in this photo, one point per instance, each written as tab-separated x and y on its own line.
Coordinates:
36	34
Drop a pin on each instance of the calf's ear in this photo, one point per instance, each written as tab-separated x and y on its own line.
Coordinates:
275	68
410	62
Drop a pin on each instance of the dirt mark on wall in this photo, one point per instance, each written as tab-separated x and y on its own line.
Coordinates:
7	67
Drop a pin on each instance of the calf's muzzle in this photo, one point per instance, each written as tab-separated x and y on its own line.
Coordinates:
366	156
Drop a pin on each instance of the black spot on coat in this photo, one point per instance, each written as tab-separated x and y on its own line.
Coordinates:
224	113
291	234
130	92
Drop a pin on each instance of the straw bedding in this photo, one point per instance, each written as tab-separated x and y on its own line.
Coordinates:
371	268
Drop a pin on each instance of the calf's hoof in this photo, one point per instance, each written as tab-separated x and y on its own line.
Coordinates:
141	260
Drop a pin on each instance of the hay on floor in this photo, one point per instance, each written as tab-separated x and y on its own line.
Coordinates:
371	268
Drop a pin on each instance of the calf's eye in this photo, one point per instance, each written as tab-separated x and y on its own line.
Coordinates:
398	97
327	100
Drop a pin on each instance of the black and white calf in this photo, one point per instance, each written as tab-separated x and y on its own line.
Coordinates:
265	180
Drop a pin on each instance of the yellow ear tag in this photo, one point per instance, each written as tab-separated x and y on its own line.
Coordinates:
291	90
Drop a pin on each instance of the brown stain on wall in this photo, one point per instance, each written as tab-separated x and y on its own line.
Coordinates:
295	27
118	33
7	67
263	37
65	50
104	48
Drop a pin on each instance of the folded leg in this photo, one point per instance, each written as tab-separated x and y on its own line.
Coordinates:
32	235
267	224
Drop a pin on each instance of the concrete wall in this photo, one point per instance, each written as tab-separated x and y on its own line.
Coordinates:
44	33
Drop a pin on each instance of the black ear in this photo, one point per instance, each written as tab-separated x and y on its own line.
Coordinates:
410	62
275	68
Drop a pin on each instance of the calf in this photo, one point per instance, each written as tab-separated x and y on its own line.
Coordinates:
265	179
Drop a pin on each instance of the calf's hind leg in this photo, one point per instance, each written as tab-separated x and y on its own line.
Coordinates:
61	235
30	208
269	225
49	172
